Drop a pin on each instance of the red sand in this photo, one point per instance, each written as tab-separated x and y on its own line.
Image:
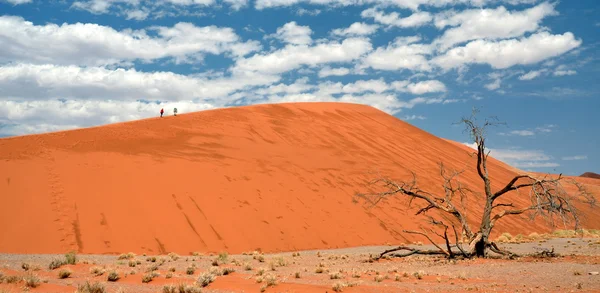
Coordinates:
269	177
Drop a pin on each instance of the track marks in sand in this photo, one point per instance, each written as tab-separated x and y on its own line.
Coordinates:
66	217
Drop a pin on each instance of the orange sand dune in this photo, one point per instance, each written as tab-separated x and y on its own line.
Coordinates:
270	177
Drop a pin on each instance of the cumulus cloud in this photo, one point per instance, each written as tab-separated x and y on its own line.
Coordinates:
403	53
293	33
489	24
154	8
507	53
33	82
393	19
94	45
419	88
28	117
294	56
328	71
356	29
407	4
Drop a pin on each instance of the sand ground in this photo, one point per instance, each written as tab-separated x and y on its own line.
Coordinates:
567	273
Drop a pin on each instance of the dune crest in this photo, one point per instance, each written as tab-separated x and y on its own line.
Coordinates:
269	177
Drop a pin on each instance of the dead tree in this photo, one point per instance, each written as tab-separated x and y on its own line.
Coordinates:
547	197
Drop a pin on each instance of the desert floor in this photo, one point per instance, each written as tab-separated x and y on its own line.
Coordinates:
570	272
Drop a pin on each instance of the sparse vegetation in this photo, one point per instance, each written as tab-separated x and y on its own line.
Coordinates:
205	279
419	275
227	271
223	257
88	287
297	275
190	270
148	277
113	276
379	278
247	267
132	263
319	270
338	286
56	263
169	275
335	276
32	281
172	269
64	273
71	258
173	256
96	271
25	266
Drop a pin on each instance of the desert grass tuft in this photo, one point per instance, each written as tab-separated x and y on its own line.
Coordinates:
247	267
419	275
297	275
56	263
96	271
132	263
335	276
32	280
88	287
205	279
190	270
113	276
71	258
148	277
64	273
25	266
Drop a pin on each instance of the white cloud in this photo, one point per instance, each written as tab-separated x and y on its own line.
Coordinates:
155	8
303	11
293	33
419	88
407	4
489	24
356	29
546	129
507	53
328	71
575	158
36	82
301	85
94	45
416	19
18	2
403	53
28	117
522	132
531	75
494	85
521	158
564	72
293	56
413	117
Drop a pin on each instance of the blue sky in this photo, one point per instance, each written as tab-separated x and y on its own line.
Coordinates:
532	63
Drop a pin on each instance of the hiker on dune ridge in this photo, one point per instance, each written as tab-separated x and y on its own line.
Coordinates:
161	112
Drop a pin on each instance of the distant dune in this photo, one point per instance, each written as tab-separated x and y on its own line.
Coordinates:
269	177
590	175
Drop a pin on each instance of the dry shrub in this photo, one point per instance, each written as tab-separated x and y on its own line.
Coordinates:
335	276
88	287
96	271
205	279
64	273
113	276
148	277
32	281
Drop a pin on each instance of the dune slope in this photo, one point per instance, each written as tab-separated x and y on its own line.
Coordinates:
270	177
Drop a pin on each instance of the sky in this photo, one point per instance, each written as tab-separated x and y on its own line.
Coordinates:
534	64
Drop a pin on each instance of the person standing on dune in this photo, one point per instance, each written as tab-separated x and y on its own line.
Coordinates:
161	112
